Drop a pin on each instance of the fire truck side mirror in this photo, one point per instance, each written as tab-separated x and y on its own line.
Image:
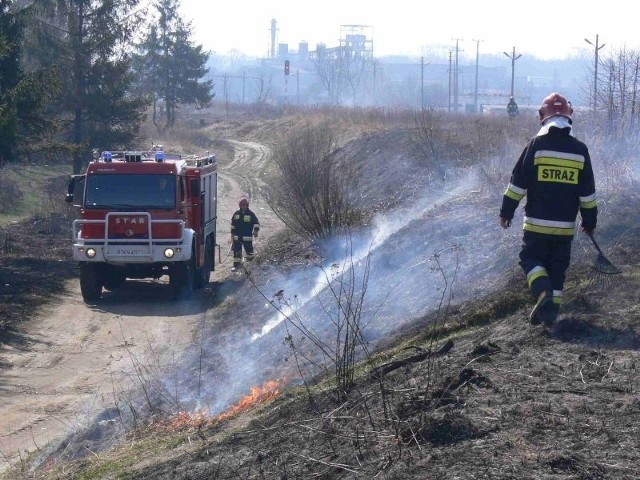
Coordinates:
70	189
75	190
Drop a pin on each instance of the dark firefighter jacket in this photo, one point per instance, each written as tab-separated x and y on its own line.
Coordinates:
243	224
554	172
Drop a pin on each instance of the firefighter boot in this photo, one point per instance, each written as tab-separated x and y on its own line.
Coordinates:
237	261
541	311
552	315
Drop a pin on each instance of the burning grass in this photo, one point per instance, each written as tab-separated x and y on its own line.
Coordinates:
199	420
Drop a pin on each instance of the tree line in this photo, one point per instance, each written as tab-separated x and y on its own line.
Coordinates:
81	74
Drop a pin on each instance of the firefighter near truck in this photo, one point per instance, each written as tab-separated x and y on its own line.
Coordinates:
145	214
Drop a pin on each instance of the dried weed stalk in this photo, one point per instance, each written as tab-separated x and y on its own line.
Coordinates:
336	353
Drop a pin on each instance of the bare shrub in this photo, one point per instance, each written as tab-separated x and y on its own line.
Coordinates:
339	345
426	138
10	193
312	190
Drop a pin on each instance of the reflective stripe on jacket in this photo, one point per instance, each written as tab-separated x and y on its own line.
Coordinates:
554	172
243	224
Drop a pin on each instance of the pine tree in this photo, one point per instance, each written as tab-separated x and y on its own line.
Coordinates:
171	67
146	67
90	42
23	94
9	77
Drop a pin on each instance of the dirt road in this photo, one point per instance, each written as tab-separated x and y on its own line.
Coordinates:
77	357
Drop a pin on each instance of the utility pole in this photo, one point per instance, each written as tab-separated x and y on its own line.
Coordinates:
595	71
421	83
449	107
455	79
286	80
244	81
513	58
475	96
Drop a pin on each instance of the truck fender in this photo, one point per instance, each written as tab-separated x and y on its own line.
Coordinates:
187	242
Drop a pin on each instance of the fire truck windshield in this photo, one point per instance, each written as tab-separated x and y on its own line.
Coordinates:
129	191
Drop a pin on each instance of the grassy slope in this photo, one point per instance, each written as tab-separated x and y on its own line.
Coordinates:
34	241
505	401
34	180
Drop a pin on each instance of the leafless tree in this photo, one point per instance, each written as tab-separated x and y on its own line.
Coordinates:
328	67
619	94
356	67
226	93
264	90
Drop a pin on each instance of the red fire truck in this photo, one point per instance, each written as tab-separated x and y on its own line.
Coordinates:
145	214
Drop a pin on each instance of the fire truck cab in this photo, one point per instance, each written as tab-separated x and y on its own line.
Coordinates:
145	214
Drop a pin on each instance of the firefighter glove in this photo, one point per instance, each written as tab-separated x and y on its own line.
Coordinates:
505	222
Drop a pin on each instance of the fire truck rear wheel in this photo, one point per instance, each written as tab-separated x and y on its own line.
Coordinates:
90	282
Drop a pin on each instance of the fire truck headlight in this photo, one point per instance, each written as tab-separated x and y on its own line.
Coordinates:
169	253
91	252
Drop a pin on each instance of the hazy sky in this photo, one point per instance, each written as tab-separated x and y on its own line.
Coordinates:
547	29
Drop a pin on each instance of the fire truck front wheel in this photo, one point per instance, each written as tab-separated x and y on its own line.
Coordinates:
114	279
90	282
182	278
205	270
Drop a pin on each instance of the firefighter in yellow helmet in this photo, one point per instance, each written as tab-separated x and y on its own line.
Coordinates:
554	172
244	228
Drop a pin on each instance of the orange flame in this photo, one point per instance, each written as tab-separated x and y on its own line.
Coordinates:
258	395
186	420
